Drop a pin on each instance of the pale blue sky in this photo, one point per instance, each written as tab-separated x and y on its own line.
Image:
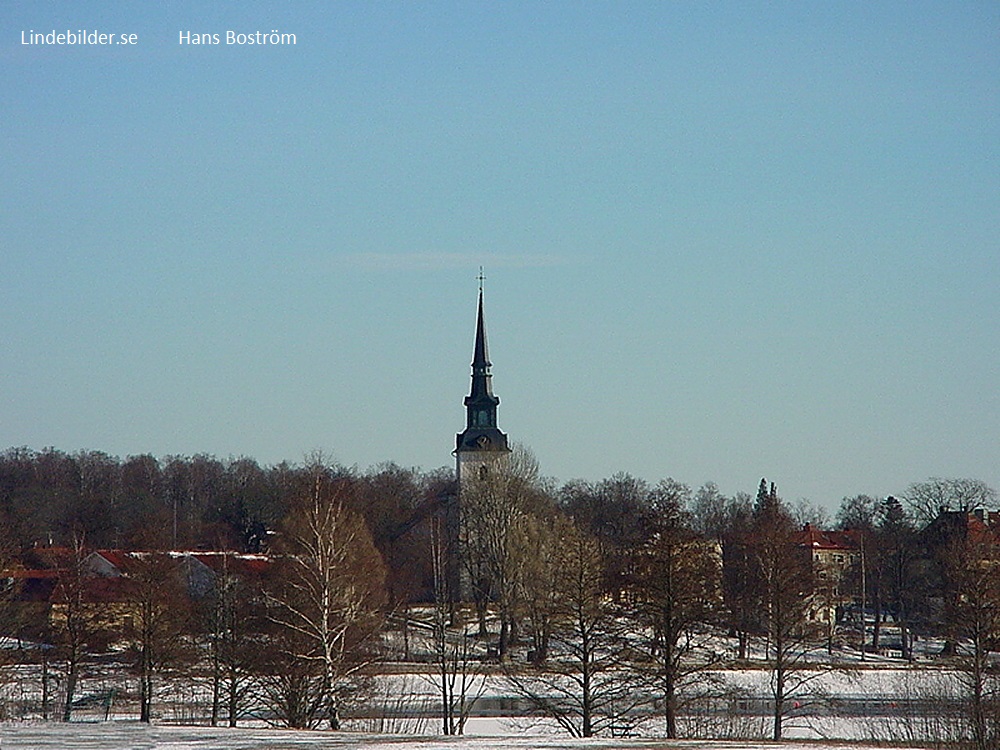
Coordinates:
722	240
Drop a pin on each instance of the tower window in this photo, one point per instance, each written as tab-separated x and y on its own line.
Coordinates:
484	472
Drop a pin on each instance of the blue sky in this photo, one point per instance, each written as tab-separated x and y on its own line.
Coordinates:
722	240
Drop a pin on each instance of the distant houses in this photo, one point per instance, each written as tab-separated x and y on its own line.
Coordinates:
102	581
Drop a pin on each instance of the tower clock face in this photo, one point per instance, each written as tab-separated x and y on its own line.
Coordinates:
482	441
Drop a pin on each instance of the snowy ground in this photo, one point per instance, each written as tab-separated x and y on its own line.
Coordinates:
122	736
872	693
868	712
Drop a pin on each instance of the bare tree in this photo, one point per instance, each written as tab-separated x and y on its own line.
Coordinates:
971	566
678	592
586	684
157	630
460	677
76	622
730	525
492	509
804	511
882	578
232	616
929	498
327	595
290	687
784	584
397	504
897	553
539	577
12	618
618	513
859	514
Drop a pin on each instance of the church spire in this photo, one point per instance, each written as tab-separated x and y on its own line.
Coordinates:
482	380
481	432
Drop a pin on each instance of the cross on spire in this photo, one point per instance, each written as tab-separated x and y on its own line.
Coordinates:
481	278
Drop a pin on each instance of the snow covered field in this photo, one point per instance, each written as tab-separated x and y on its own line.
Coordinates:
869	705
122	736
877	700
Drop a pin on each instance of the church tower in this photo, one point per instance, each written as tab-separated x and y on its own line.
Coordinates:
482	444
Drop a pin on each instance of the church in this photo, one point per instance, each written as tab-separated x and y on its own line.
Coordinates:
481	447
482	455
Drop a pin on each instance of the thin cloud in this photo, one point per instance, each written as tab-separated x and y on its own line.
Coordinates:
441	261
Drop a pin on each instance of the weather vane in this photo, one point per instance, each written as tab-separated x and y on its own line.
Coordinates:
481	278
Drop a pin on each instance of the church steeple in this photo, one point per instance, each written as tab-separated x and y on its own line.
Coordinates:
482	380
481	432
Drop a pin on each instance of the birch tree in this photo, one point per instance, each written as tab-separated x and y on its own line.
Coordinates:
327	596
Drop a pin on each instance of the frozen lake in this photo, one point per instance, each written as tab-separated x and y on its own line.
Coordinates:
128	736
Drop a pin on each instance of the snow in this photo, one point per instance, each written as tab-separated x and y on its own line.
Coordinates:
867	719
406	700
130	736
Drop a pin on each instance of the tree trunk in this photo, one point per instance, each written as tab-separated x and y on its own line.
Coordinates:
216	690
670	709
406	634
72	669
977	677
779	696
480	602
45	686
877	631
668	660
904	633
145	698
447	702
585	678
504	633
233	699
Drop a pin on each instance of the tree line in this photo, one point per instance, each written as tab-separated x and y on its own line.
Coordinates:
53	498
588	598
624	588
